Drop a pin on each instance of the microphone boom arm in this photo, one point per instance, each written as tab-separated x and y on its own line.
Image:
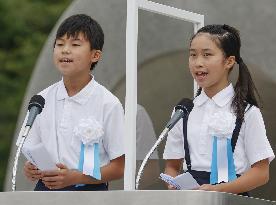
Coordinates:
161	137
183	108
18	151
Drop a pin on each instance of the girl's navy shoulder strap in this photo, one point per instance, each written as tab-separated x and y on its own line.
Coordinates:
234	138
237	129
186	146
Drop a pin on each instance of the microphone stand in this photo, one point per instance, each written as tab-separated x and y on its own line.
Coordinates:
161	137
18	151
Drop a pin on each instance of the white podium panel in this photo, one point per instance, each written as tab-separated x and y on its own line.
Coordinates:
128	198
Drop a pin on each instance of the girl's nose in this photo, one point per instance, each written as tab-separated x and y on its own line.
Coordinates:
198	62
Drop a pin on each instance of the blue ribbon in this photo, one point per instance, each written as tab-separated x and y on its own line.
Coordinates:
214	167
96	172
231	167
80	167
97	169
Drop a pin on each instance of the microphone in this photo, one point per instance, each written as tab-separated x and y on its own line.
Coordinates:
35	107
182	109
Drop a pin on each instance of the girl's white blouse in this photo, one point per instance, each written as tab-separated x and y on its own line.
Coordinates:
252	145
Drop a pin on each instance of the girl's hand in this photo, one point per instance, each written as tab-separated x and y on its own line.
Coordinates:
208	187
58	179
32	172
170	187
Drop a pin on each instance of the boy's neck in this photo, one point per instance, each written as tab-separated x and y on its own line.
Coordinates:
75	85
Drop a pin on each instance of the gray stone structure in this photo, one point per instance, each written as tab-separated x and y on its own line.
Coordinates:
163	77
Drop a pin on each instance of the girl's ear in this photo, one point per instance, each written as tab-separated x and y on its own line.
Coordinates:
230	61
96	56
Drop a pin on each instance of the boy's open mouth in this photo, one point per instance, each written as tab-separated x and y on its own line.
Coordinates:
66	60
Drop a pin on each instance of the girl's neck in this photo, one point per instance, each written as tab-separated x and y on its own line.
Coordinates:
75	85
213	90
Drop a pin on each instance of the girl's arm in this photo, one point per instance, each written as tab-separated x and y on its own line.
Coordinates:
172	168
67	177
256	176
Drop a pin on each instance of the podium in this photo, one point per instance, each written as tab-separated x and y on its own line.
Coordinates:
164	197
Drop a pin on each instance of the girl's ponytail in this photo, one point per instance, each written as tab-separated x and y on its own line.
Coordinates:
244	90
198	91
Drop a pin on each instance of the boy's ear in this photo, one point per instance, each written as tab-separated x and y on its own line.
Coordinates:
230	61
96	56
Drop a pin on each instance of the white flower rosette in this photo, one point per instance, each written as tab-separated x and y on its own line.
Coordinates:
220	128
90	132
221	124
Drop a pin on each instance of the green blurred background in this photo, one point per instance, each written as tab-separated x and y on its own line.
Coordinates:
25	25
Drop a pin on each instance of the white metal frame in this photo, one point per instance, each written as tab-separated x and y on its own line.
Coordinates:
131	73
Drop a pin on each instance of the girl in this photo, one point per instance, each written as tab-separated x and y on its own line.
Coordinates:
225	144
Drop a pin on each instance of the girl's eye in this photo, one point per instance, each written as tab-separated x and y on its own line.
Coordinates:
192	54
59	44
75	44
207	54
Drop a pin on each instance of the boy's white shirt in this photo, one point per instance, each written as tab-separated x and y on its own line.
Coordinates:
252	145
54	126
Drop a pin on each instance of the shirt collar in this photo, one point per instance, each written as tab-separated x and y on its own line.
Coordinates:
221	98
81	97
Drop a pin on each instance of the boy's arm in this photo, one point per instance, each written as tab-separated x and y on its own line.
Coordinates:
256	176
66	177
113	170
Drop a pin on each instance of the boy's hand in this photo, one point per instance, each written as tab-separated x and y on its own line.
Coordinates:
32	172
58	179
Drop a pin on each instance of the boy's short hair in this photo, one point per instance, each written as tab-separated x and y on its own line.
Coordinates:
82	23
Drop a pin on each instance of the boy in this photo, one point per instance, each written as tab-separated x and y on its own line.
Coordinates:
81	125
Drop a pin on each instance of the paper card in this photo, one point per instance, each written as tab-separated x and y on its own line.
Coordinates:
169	180
183	181
39	156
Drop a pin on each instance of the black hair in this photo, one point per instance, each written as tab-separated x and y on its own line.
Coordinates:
82	23
228	40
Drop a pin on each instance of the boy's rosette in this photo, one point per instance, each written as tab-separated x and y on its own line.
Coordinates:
220	127
90	132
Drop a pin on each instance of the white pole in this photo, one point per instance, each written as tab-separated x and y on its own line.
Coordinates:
170	11
131	94
131	73
197	26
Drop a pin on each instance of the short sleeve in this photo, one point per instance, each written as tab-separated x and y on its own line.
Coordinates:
257	146
174	148
114	132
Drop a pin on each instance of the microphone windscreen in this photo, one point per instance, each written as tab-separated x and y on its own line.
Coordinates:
38	101
186	104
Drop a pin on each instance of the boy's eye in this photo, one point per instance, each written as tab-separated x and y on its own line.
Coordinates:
59	44
76	44
192	54
207	54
